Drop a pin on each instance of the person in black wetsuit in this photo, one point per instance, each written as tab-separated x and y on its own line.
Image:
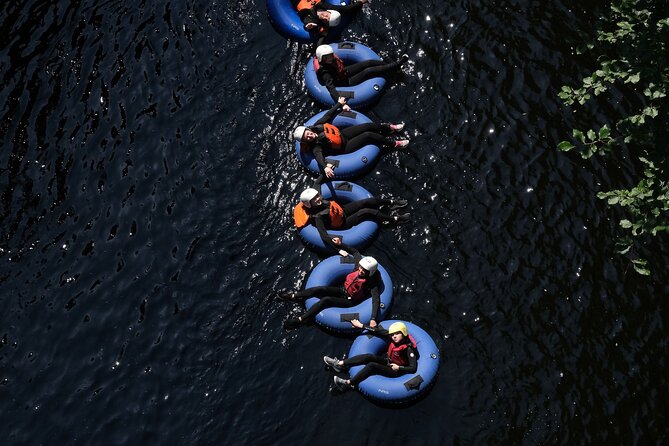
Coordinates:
332	72
322	137
318	16
401	357
363	281
328	214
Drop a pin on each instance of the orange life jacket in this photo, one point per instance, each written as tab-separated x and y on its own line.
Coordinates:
397	353
339	67
333	135
307	4
301	216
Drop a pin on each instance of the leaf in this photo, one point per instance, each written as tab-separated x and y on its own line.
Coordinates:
577	134
604	132
634	78
592	135
641	270
565	146
614	200
626	250
625	224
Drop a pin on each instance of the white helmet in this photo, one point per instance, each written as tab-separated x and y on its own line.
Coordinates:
335	17
307	195
369	264
299	133
322	50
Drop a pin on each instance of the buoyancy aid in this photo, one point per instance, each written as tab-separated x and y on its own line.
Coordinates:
338	67
397	353
300	216
333	136
307	4
335	212
355	285
336	215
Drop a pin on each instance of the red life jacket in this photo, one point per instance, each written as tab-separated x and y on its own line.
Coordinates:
333	135
397	353
307	4
355	285
339	67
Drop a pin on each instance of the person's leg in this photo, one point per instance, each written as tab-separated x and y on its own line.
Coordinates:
319	291
370	369
363	359
358	67
376	70
325	302
369	203
355	130
363	139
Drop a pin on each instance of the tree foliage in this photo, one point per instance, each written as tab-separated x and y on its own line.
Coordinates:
632	51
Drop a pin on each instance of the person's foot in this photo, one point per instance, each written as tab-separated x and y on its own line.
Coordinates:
398	219
397	203
397	127
401	143
332	363
402	218
292	323
286	295
342	384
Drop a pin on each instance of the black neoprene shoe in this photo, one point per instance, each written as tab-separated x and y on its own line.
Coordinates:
291	323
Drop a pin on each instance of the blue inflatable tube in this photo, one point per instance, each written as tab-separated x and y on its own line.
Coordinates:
283	17
359	236
359	96
404	388
348	165
332	272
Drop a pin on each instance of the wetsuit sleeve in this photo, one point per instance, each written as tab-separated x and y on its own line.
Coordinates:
330	114
317	151
413	361
376	301
328	81
379	332
350	250
327	238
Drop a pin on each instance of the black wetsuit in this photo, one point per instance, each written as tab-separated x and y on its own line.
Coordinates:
354	212
311	16
354	74
336	296
380	364
352	137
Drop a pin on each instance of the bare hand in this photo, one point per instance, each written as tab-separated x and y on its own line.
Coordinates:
356	323
346	108
394	367
342	100
329	172
336	240
372	323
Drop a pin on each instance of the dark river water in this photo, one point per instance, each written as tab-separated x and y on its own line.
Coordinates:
147	180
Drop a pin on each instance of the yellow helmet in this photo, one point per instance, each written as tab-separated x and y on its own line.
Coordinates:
398	326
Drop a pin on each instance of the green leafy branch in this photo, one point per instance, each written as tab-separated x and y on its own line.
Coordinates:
634	55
